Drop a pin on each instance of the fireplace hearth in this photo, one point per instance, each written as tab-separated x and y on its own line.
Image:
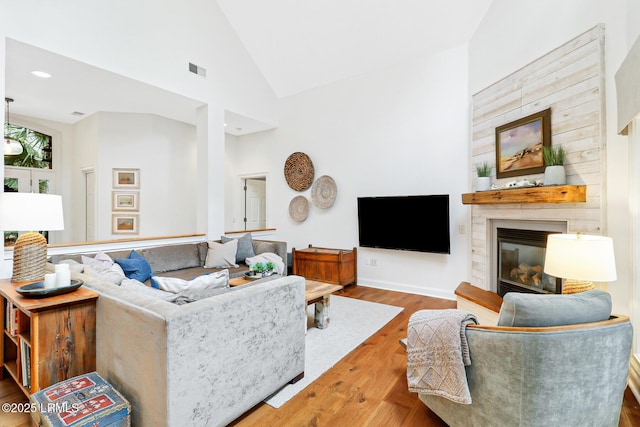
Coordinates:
520	257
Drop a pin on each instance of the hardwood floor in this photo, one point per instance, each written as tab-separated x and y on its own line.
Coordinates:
366	388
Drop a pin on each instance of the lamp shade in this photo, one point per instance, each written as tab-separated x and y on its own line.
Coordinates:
580	257
31	211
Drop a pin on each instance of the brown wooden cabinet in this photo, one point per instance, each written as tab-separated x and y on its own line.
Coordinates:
46	340
336	266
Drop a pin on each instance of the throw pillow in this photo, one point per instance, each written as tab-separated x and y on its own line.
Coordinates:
245	247
113	274
135	267
99	258
536	310
222	255
218	279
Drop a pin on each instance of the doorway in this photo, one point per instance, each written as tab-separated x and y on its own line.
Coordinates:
255	203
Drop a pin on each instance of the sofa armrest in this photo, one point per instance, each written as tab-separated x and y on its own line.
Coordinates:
236	348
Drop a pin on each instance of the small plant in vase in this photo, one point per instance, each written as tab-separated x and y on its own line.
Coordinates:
269	268
554	173
257	269
484	176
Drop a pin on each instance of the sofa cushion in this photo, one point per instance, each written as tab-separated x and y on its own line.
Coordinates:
222	255
219	279
245	247
135	267
539	310
173	257
261	246
140	287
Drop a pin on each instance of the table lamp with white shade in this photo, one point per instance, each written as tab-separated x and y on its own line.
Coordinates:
580	259
29	212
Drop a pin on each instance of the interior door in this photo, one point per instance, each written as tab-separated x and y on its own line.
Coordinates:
255	204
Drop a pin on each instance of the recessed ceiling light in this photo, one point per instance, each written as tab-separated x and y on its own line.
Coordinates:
41	74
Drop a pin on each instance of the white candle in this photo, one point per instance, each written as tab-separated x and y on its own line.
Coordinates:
61	267
63	278
50	280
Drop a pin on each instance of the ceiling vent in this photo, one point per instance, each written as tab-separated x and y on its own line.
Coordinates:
196	69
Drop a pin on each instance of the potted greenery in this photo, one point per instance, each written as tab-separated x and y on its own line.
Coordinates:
484	176
554	173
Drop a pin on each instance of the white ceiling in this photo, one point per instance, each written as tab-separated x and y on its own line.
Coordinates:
296	44
302	44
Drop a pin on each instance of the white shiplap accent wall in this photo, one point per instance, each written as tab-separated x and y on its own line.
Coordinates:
569	80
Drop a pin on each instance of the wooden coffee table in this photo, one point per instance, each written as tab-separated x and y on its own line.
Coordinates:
319	293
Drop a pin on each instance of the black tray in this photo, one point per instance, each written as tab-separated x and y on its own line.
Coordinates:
37	290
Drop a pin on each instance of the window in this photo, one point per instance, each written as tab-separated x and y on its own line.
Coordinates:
37	148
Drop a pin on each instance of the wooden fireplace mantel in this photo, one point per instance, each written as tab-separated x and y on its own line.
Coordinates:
542	194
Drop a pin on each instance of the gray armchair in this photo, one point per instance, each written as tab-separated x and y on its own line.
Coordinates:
556	372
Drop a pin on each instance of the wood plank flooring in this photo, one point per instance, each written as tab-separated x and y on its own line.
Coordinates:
366	388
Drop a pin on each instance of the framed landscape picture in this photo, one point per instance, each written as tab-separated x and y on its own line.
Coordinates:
125	201
124	224
519	145
126	178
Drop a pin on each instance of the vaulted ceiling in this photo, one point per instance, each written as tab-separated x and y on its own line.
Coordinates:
302	44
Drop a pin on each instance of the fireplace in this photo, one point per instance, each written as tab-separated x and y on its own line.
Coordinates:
520	262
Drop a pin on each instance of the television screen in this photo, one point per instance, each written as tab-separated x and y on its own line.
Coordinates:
412	223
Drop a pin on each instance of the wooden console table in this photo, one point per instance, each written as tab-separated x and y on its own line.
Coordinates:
335	266
49	339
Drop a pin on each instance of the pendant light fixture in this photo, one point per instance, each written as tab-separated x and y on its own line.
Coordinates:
12	147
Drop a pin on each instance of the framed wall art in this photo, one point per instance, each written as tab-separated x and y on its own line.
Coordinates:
124	224
126	178
125	201
519	145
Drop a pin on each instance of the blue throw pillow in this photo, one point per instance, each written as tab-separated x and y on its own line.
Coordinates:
135	267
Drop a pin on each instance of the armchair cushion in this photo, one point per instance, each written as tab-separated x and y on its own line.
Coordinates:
535	310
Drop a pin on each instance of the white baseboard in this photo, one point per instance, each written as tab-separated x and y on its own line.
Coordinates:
410	289
634	376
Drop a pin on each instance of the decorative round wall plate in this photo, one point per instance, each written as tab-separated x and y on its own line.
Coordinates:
323	192
299	208
298	171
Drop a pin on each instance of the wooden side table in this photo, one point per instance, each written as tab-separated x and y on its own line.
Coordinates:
46	340
335	266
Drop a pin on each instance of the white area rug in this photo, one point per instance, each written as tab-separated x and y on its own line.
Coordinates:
352	321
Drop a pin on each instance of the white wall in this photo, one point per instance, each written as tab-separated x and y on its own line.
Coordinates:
510	37
165	152
398	131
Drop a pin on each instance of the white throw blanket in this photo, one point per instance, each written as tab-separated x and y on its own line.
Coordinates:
268	257
437	353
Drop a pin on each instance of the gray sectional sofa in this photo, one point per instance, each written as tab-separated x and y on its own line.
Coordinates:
204	363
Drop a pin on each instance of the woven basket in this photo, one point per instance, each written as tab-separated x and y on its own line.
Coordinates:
298	171
29	257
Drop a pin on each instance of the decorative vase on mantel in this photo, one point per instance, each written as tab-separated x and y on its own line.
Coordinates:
484	176
483	183
555	175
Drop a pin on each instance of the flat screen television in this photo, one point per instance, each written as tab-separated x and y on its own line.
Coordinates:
412	223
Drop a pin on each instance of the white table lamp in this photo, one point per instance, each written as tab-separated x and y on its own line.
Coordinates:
580	259
29	212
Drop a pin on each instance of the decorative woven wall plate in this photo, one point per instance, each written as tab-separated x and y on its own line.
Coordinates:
299	208
323	192
298	171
